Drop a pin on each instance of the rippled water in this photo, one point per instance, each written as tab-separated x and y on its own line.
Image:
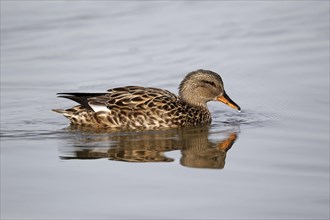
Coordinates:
269	161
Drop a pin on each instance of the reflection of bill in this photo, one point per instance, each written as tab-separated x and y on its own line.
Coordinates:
196	148
205	156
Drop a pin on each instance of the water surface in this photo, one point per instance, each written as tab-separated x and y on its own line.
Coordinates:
270	161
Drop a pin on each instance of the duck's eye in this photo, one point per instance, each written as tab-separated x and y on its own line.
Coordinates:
209	82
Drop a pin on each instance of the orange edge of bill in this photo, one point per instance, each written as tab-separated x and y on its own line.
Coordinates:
225	99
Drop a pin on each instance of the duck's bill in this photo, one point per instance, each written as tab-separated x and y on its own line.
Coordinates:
227	100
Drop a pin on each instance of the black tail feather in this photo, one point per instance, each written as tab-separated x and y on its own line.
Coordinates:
81	98
80	94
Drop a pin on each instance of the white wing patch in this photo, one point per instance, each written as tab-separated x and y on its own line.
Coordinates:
98	108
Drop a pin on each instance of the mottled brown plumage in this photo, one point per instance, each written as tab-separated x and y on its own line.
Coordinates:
135	107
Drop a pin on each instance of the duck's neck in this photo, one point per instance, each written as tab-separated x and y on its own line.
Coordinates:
192	104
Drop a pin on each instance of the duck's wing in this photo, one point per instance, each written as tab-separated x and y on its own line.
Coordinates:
129	97
132	97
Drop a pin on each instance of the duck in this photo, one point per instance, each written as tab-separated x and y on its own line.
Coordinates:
137	107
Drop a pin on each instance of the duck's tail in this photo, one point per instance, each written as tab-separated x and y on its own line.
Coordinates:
77	115
63	112
68	113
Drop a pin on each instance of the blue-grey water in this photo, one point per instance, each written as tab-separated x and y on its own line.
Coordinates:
270	161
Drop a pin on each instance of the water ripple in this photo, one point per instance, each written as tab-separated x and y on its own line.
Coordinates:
243	118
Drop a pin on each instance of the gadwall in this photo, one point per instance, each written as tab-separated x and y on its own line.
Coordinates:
135	107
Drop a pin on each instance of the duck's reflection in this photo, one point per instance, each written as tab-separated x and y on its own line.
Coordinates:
199	148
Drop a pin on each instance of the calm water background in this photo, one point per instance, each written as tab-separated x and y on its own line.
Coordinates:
273	57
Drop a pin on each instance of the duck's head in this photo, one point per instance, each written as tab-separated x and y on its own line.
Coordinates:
201	86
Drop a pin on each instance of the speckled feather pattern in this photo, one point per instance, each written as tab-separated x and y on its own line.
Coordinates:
134	107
